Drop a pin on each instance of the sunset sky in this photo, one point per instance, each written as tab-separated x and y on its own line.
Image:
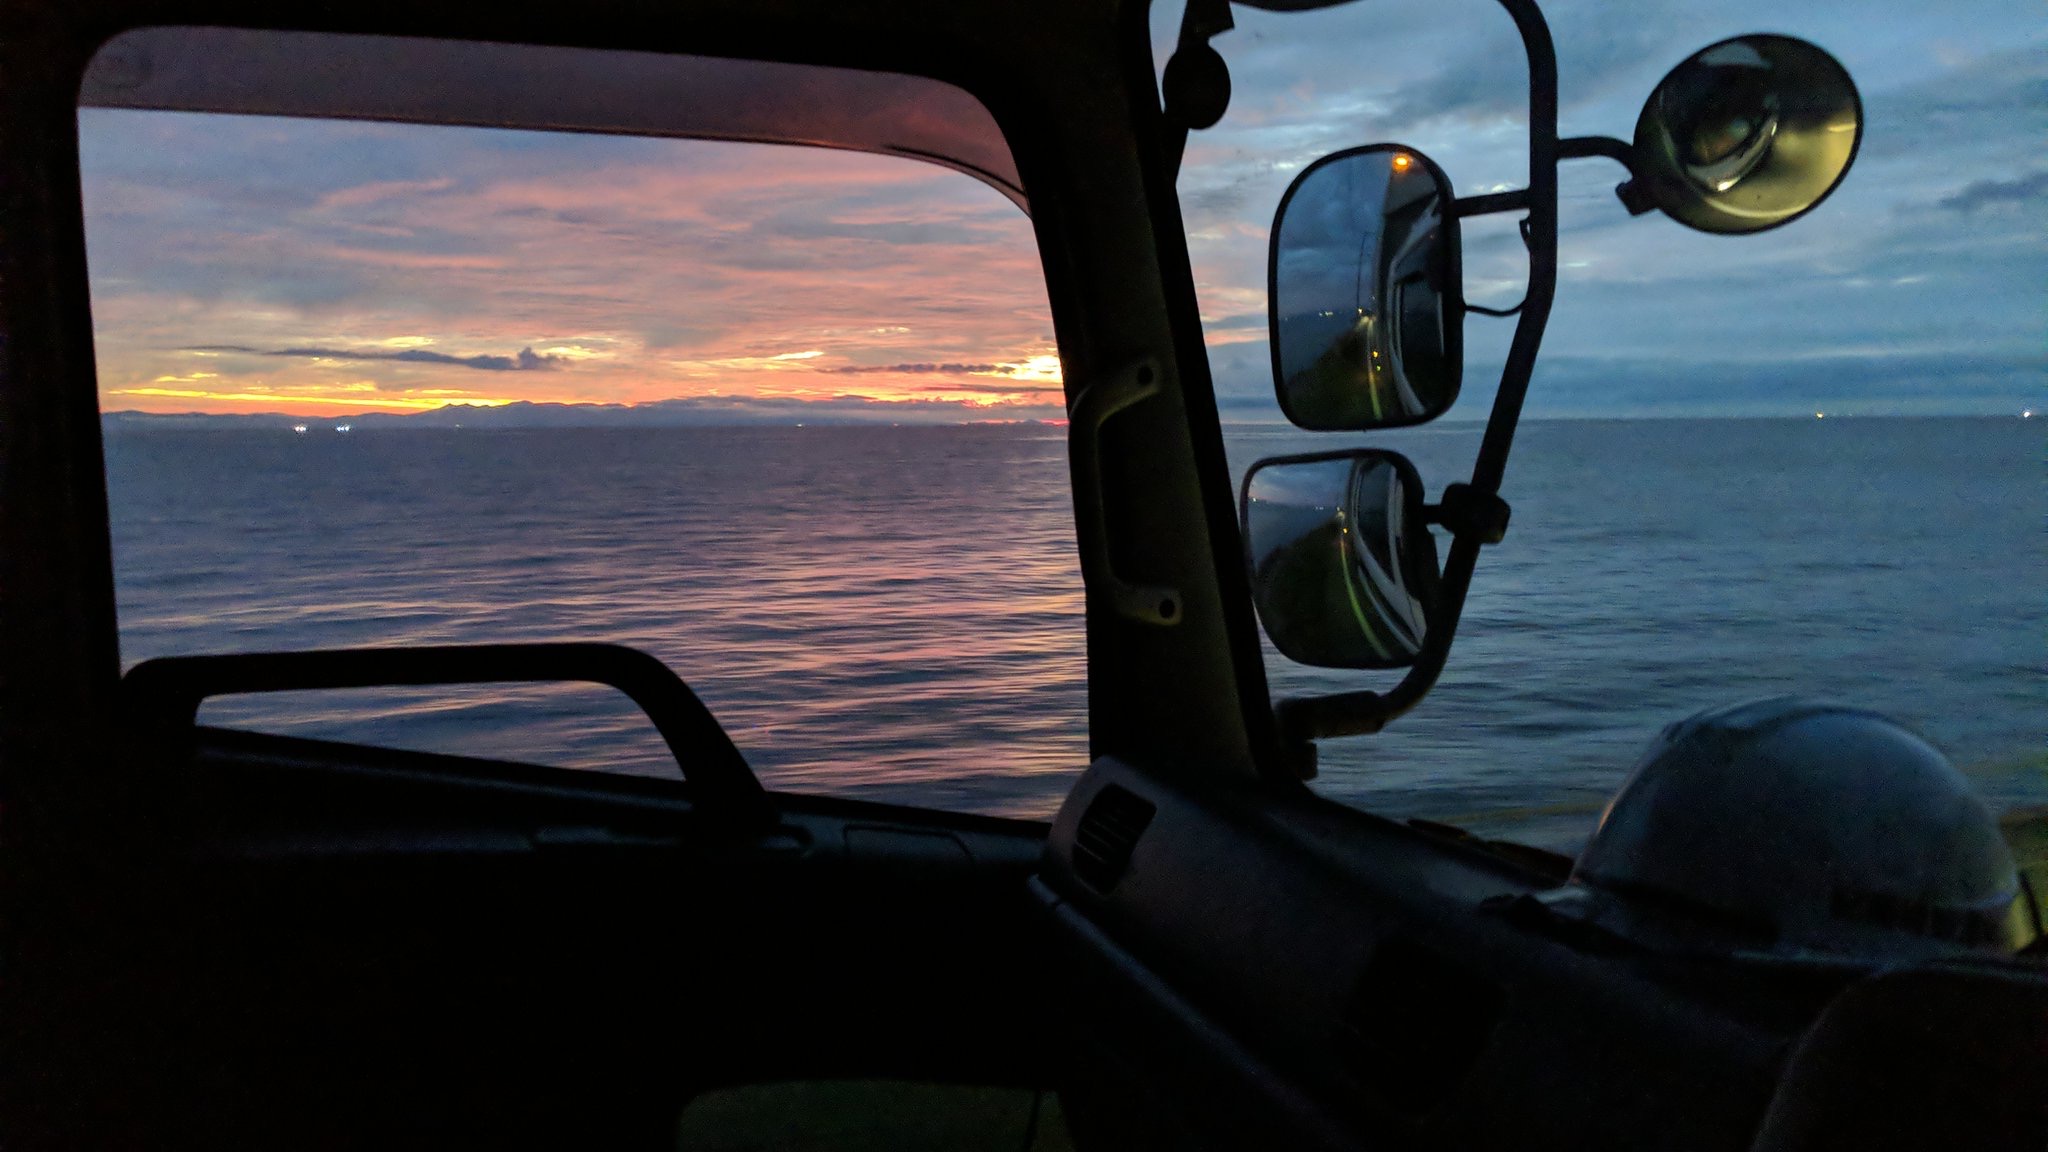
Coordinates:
319	268
315	267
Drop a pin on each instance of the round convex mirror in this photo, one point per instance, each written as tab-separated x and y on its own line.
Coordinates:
1748	134
1364	306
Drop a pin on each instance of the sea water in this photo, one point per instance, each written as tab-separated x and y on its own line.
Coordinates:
896	613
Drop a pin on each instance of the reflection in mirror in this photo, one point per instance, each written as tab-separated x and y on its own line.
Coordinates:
1748	134
1343	568
1365	307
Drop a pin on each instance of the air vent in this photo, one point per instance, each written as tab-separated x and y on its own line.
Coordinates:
1108	831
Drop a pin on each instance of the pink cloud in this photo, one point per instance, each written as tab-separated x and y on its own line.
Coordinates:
382	190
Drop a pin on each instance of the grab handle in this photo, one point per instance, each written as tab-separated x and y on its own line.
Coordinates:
1146	603
167	692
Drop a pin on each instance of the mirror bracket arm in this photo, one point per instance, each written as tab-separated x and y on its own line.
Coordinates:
1468	512
1581	147
1303	719
1306	719
1358	713
1631	192
1489	203
1467	206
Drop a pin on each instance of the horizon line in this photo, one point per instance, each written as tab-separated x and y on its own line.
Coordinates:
842	419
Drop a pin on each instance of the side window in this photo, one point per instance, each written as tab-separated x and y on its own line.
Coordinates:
787	418
1686	533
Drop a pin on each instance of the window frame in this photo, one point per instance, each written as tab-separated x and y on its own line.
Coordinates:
1073	92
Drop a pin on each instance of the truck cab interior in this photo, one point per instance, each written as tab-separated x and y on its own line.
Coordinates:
219	938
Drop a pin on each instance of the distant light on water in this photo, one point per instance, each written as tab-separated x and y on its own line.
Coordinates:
1820	415
2026	413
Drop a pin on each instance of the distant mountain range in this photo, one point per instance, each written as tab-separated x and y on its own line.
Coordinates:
680	413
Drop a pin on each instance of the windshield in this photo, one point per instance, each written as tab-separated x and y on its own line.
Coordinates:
1801	462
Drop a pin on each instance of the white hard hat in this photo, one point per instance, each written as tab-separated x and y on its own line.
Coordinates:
1809	828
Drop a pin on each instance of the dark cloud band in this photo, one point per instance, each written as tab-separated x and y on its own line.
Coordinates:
918	369
527	360
1985	193
1006	386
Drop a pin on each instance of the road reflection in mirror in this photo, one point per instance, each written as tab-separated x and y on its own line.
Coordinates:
1365	308
1343	568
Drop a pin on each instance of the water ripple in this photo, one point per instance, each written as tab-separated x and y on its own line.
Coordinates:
896	613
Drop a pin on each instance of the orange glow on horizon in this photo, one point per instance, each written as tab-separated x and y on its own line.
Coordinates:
282	403
1024	381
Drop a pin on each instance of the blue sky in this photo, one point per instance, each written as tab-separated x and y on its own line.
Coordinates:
1920	286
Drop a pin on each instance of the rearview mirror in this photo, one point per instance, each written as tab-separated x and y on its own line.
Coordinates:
1364	300
1343	567
1747	134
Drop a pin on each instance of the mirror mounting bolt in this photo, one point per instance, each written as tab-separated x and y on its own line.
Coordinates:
1634	197
1467	511
1196	87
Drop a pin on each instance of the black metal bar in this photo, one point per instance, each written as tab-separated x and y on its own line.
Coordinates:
1362	713
1468	206
1631	192
1581	147
1541	232
1357	713
166	693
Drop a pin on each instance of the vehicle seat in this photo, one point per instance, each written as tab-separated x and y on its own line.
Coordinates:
1919	1059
